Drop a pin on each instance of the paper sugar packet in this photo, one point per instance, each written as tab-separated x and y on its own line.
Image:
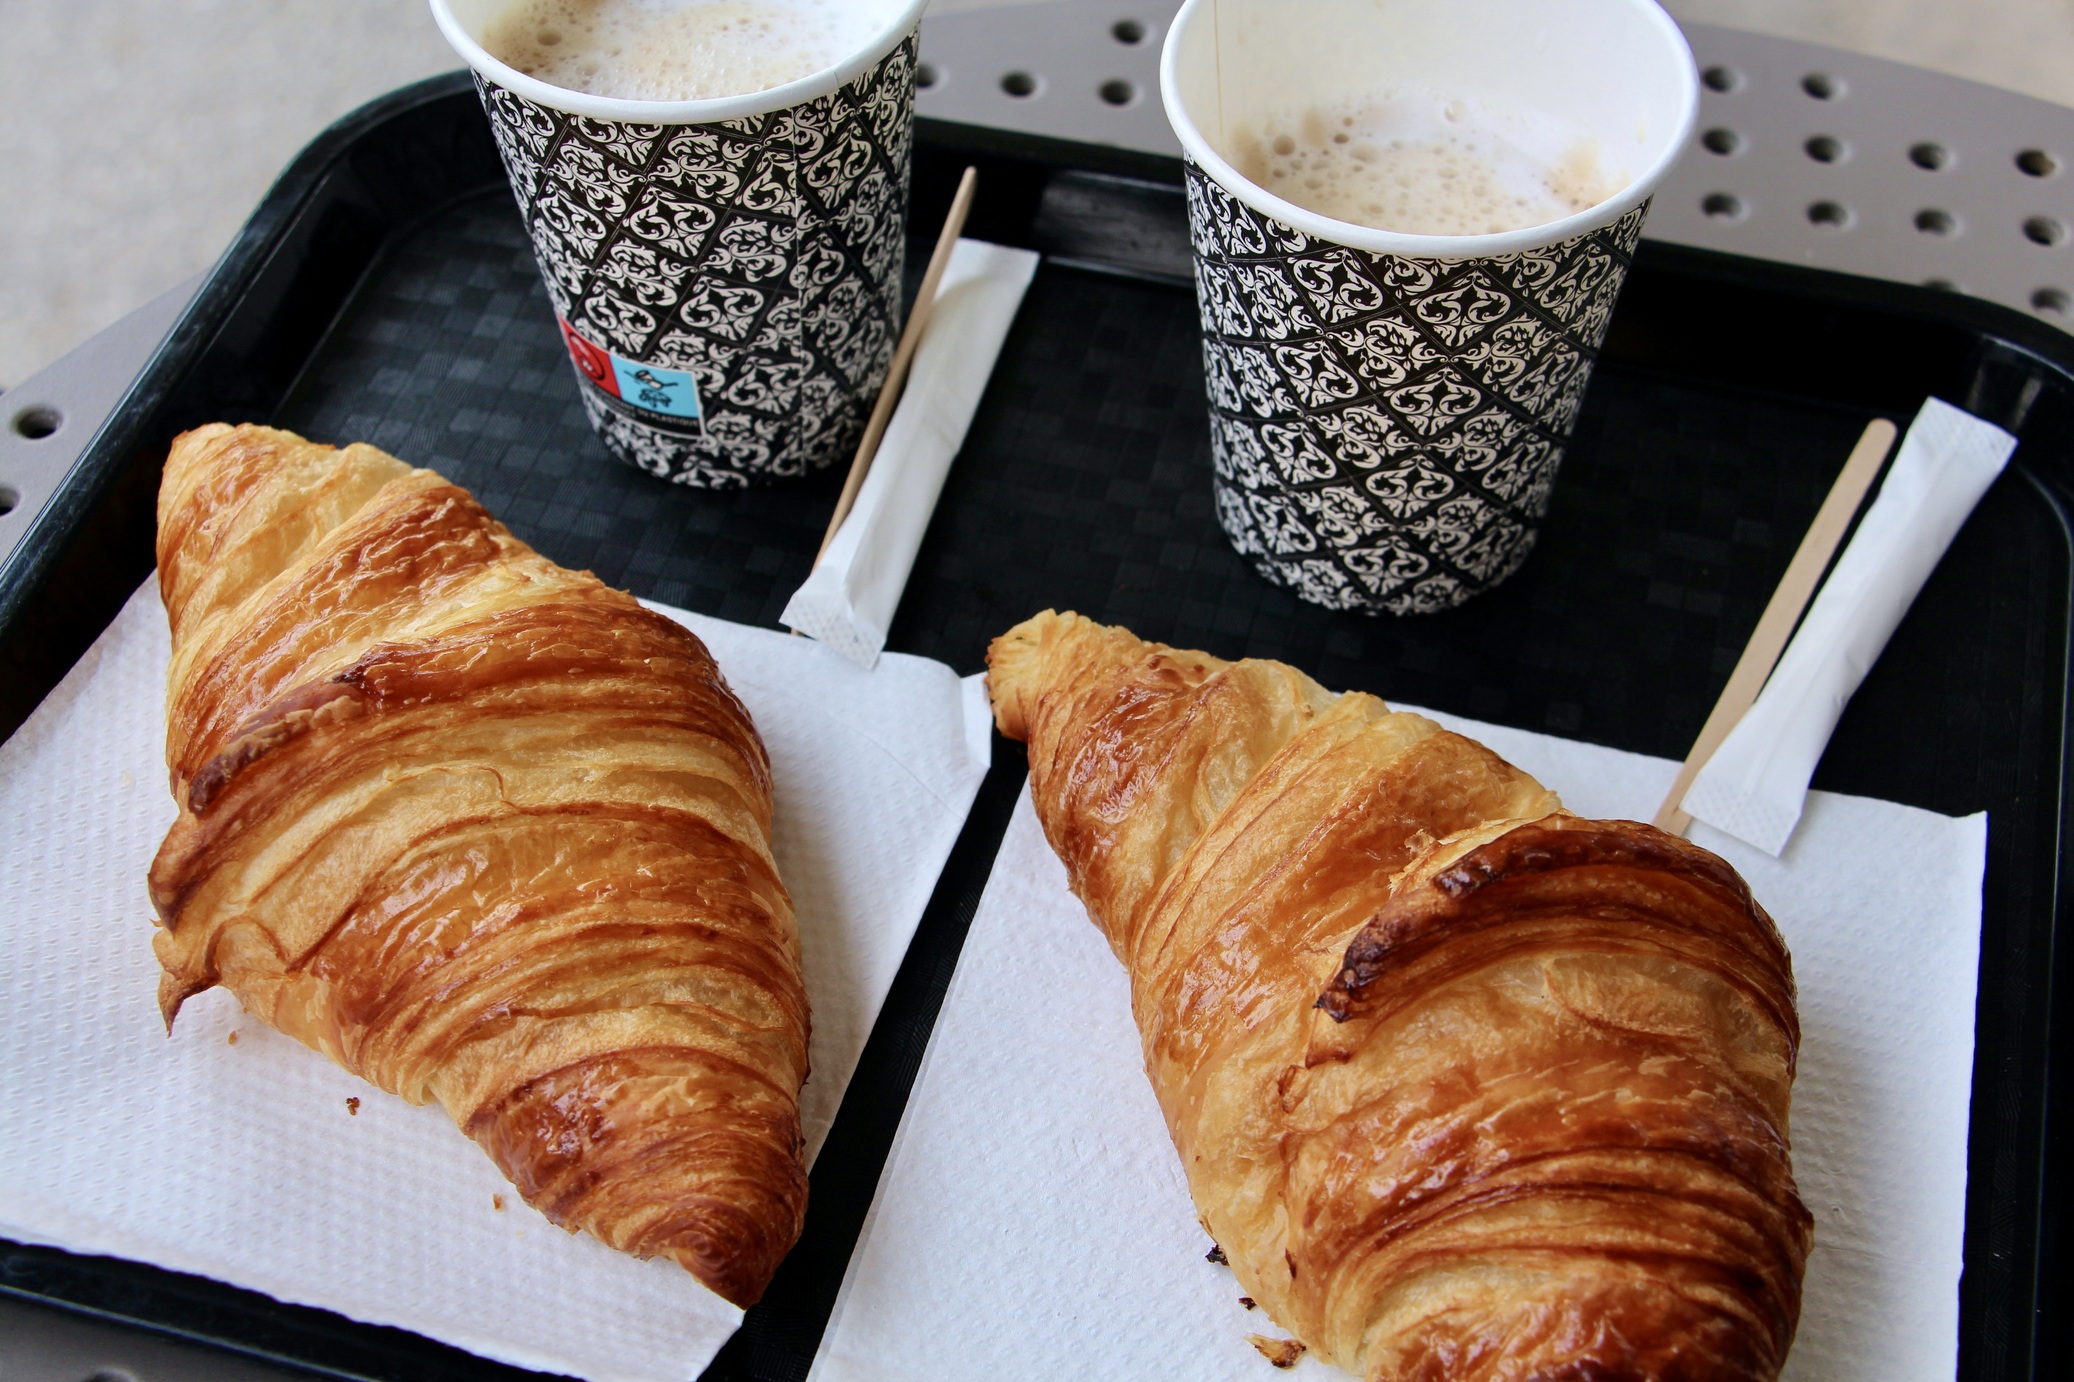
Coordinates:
1033	1219
849	599
1757	781
229	1151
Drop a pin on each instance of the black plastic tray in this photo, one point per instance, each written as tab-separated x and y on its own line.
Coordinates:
384	292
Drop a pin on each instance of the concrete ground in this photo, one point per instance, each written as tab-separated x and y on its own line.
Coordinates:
136	135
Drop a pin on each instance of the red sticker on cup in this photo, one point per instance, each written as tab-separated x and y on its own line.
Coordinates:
594	364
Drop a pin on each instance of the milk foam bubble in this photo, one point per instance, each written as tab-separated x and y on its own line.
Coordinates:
678	50
1424	163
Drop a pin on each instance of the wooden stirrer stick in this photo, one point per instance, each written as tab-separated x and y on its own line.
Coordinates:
903	356
1796	588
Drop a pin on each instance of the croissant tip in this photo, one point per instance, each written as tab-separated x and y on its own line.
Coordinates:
740	1295
1009	669
173	994
740	1281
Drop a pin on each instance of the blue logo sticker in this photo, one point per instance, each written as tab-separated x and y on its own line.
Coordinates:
657	389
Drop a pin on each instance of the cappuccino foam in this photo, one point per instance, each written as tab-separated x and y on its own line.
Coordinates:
678	50
1420	163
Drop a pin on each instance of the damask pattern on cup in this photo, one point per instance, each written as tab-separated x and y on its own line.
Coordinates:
758	261
1386	431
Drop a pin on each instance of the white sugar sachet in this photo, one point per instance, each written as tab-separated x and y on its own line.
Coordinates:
849	600
229	1151
1756	782
1033	1219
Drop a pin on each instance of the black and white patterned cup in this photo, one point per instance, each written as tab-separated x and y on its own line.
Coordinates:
1388	411
726	272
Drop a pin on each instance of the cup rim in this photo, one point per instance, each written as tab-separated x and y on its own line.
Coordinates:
708	111
1360	237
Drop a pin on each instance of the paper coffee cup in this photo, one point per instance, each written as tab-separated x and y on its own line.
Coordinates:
726	272
1388	411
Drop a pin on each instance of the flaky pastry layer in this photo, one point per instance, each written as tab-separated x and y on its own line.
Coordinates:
484	831
1465	1087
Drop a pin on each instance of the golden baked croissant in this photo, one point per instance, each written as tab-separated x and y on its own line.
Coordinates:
482	831
1465	1087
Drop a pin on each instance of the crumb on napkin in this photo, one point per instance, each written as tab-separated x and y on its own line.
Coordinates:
1283	1353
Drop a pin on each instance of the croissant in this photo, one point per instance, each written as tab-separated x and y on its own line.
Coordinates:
1465	1087
482	831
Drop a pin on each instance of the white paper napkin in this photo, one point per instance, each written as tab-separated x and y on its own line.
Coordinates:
849	599
244	1161
1755	783
1033	1220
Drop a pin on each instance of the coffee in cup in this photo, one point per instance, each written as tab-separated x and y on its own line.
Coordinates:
1411	221
676	50
725	269
1420	161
